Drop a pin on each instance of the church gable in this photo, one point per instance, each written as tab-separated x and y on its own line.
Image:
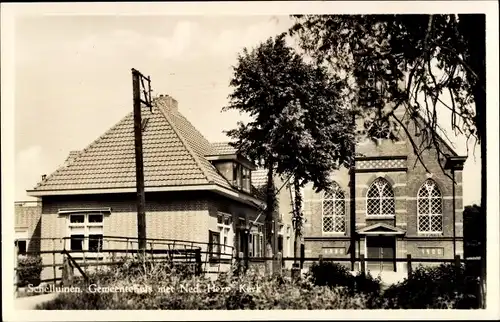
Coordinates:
381	228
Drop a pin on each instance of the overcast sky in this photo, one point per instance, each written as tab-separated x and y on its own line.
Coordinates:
73	80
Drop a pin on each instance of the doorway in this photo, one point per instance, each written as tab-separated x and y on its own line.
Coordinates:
382	248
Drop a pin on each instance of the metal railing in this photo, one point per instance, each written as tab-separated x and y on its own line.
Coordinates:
112	250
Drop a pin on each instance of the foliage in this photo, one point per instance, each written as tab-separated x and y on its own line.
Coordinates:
474	231
337	275
410	62
298	127
444	286
252	290
328	286
29	270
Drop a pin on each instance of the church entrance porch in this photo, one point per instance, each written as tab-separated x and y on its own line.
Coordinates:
383	250
379	247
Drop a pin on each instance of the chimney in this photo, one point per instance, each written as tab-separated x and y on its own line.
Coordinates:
44	176
166	102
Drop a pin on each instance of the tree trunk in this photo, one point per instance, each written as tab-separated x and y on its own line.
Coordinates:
270	209
298	216
473	28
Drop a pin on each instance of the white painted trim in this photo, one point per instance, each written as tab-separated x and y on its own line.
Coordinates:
90	191
383	233
333	234
211	187
21	234
380	216
75	210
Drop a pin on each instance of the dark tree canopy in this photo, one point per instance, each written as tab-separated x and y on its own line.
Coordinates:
299	126
410	62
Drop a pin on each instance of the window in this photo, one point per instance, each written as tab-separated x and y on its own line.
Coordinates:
333	210
256	241
380	199
247	178
86	231
237	175
214	247
280	238
430	208
21	246
226	234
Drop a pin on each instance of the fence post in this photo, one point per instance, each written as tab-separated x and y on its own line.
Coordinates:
408	264
269	260
16	270
457	263
67	271
302	255
362	263
197	256
320	259
277	263
53	260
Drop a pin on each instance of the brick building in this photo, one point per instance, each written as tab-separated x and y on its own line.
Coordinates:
388	205
27	225
195	191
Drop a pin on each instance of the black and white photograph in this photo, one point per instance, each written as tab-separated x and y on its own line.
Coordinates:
319	159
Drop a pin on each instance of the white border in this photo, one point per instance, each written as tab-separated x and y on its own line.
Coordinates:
10	10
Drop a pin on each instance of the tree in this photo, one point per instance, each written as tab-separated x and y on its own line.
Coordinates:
410	62
299	127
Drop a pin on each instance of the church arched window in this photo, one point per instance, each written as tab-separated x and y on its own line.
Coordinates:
380	199
429	208
333	210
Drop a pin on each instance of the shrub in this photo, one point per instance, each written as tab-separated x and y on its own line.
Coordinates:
444	286
337	275
251	290
29	270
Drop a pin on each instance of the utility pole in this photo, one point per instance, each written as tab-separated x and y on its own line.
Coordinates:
137	82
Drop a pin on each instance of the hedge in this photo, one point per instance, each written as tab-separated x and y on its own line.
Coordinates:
29	269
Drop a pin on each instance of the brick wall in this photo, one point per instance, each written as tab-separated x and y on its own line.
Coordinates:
182	216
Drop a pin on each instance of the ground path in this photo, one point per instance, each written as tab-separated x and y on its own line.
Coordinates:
30	302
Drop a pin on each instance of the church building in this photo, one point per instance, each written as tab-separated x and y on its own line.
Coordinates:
389	204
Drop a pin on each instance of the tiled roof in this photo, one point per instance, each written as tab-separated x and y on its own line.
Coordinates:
223	148
173	153
259	177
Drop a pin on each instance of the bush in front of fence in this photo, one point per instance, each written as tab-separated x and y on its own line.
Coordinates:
337	275
443	286
29	269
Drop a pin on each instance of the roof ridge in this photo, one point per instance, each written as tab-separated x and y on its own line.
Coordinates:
195	130
186	144
80	152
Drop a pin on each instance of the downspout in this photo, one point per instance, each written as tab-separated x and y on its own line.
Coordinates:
454	214
353	215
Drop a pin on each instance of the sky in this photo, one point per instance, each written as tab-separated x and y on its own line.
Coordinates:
73	80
